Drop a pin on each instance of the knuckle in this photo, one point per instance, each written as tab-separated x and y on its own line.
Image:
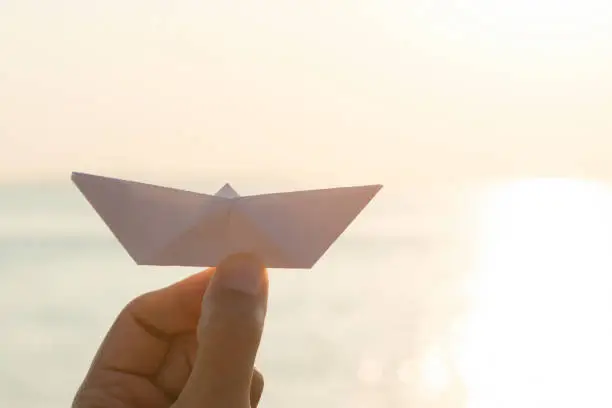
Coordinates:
137	303
258	379
223	323
232	316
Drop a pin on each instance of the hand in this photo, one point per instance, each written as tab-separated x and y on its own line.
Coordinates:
190	345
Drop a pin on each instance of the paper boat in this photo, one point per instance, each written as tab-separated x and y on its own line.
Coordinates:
165	226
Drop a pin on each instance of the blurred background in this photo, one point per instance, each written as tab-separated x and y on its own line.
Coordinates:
478	277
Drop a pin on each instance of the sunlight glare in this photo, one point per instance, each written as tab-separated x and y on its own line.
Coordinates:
540	332
546	25
435	373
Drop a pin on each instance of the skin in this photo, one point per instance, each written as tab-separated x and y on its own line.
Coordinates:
192	344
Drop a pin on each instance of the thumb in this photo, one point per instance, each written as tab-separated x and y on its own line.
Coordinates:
229	332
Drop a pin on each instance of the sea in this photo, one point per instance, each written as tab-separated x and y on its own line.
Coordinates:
377	322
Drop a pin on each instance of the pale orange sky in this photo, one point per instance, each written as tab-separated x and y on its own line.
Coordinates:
372	91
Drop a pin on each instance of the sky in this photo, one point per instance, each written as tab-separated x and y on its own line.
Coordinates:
361	91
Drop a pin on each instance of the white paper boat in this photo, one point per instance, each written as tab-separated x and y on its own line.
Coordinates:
165	226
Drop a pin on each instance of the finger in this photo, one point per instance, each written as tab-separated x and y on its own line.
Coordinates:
139	339
229	332
178	364
174	309
257	386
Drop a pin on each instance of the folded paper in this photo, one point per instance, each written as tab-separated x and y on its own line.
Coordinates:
165	226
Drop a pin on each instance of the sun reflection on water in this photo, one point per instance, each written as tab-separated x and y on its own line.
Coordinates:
539	333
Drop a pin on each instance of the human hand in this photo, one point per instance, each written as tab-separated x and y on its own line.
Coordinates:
189	345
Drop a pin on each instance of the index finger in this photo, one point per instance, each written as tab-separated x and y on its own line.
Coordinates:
138	340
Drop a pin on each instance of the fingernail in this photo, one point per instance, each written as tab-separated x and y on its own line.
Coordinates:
242	272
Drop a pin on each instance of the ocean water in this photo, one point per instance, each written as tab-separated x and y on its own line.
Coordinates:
338	334
374	324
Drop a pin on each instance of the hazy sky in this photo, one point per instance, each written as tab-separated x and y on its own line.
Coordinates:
373	91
